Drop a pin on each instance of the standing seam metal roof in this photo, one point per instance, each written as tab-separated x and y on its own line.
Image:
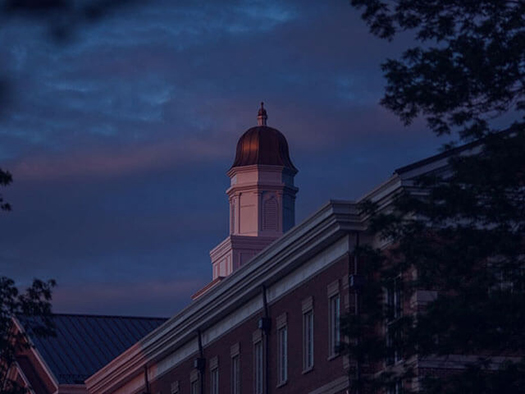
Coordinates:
85	343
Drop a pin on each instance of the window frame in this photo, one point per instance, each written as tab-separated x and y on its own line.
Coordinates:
235	355
258	354
195	382
214	375
282	350
258	362
394	311
174	387
308	335
334	319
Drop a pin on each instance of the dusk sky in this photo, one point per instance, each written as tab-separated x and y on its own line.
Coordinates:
119	139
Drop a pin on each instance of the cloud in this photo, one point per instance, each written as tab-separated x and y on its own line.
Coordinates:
144	298
119	140
111	163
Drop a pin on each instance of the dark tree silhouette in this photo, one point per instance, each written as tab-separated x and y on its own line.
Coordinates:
462	240
469	68
34	307
5	179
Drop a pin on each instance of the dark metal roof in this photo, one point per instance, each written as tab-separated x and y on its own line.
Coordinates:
263	145
85	343
453	151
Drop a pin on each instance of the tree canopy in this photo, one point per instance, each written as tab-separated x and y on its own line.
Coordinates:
460	239
34	303
468	67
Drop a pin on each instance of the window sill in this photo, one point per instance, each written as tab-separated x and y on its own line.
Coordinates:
282	384
308	370
333	356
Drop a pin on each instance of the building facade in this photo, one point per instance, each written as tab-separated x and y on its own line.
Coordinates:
268	322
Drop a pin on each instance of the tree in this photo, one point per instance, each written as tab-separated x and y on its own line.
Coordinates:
462	240
34	308
469	69
5	179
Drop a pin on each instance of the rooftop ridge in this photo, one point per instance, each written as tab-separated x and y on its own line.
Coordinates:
103	316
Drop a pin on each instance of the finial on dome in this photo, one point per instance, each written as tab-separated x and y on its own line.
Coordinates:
262	116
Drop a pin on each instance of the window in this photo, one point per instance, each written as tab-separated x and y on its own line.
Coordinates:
335	331
214	387
394	301
282	337
259	367
175	387
308	340
393	355
506	276
214	375
194	382
195	387
236	374
394	310
395	388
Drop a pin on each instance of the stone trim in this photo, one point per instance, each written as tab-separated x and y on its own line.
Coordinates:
194	375
333	288
214	363
257	336
281	320
235	350
308	304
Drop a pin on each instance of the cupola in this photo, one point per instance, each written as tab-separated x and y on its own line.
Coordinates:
261	196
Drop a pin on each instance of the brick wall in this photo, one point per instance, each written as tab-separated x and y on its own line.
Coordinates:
326	369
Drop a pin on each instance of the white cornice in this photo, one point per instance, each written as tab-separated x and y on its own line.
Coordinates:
257	185
240	241
259	167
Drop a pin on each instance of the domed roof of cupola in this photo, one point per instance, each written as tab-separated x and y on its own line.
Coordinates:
263	145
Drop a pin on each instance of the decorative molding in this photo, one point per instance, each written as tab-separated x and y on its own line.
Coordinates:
257	336
235	350
214	363
281	320
307	304
194	375
333	288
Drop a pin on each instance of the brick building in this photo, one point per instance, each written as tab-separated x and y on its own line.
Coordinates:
268	322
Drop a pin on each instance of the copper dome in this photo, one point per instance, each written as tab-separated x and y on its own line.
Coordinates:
263	145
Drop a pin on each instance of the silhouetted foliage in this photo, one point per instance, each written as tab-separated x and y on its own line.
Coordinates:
469	69
33	307
460	239
5	179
